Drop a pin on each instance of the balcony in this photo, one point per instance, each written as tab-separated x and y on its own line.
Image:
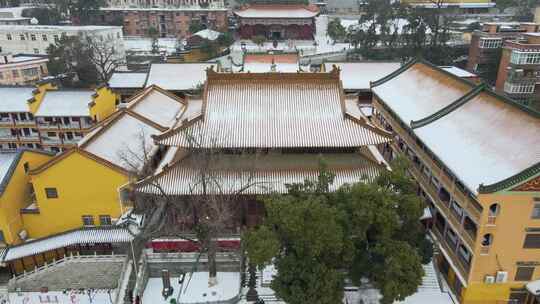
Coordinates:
25	123
72	141
33	137
468	236
7	136
51	140
43	125
457	192
6	122
462	265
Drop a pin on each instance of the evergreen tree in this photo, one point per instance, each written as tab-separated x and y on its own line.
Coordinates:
316	238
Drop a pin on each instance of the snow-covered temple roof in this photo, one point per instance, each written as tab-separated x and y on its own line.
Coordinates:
271	110
278	11
487	141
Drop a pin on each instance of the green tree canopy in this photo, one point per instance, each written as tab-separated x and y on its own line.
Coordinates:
70	57
196	26
335	30
316	238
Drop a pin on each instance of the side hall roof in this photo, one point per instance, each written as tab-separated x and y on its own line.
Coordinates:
96	235
483	138
271	110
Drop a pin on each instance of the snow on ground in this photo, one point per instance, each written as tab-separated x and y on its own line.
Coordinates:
57	297
144	45
197	290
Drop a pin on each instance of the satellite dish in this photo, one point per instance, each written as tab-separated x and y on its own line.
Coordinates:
34	21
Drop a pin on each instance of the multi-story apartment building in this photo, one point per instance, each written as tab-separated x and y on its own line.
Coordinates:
22	69
475	157
169	18
35	39
44	118
173	22
487	43
519	69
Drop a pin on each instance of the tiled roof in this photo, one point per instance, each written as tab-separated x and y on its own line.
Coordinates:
484	141
15	99
419	91
79	236
263	174
358	75
272	110
473	131
127	80
66	103
178	76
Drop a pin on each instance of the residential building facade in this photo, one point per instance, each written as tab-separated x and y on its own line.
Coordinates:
35	39
22	69
461	138
50	119
486	44
519	69
169	22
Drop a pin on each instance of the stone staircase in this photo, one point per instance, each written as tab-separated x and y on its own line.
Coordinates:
97	272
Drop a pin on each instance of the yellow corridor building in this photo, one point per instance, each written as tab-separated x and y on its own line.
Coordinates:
475	157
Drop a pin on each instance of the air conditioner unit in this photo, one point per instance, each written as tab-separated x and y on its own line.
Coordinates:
23	234
501	277
489	279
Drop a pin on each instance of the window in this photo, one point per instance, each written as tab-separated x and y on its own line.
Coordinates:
51	192
26	167
105	220
532	241
524	273
536	211
44	37
490	43
56	39
88	220
33	37
31	72
9	37
22	37
15	73
51	134
36	51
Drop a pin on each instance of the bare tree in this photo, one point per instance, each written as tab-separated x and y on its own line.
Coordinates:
207	209
104	55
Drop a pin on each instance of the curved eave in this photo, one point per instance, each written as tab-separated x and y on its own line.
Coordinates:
511	181
448	109
394	74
